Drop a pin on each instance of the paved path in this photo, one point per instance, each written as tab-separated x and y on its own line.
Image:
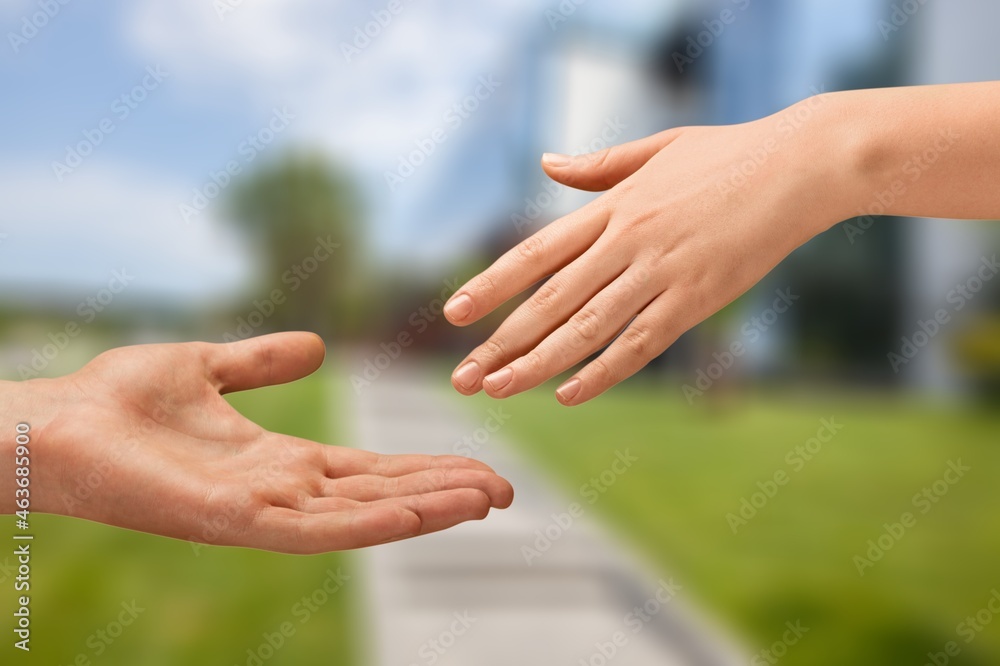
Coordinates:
467	597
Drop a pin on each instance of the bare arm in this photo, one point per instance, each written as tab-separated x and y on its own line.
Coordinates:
695	216
142	438
938	146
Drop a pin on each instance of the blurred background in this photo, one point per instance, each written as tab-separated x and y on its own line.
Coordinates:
220	170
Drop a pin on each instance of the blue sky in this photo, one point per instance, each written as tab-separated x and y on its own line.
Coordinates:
226	75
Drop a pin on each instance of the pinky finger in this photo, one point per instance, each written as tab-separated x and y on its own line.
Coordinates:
649	334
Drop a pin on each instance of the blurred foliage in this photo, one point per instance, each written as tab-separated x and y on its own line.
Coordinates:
794	560
292	207
977	349
200	605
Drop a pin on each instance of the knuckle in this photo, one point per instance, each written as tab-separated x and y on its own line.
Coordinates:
602	158
484	285
533	362
586	325
494	348
603	162
532	249
637	341
545	300
641	275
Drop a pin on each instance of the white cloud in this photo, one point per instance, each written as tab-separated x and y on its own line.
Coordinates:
259	40
366	112
71	235
290	52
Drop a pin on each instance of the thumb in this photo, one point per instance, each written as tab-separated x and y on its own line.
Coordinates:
264	361
605	168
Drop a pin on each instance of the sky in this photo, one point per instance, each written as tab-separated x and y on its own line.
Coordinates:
162	95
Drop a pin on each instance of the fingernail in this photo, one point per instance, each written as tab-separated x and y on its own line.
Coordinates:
500	378
555	160
467	375
568	391
458	308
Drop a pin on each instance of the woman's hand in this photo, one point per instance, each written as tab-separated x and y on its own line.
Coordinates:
693	218
142	438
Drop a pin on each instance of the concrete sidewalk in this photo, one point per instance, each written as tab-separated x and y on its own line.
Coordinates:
468	596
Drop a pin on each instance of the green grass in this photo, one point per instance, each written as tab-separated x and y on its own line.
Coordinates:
794	560
199	608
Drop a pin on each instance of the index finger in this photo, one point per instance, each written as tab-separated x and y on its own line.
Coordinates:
526	263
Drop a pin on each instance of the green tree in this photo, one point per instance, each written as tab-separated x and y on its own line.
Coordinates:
294	208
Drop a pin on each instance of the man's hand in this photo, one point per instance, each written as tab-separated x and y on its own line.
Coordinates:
146	432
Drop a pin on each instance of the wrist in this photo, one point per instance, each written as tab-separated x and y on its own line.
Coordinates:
836	154
29	412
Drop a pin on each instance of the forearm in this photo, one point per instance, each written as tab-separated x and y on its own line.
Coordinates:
929	151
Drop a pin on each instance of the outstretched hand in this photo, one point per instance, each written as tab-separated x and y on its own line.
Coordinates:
142	438
685	227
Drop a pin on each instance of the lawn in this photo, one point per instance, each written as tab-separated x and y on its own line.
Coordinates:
204	607
795	559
